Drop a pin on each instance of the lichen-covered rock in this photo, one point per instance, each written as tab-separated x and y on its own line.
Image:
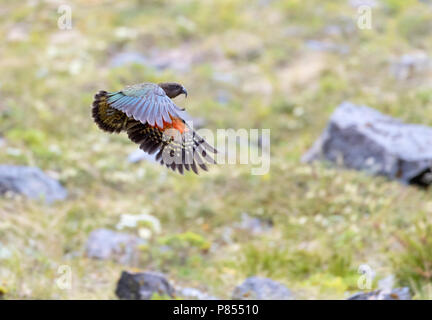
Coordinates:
142	286
394	294
359	137
107	244
30	182
255	288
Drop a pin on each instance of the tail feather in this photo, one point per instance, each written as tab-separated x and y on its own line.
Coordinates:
106	117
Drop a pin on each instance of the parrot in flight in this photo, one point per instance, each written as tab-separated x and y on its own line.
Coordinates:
152	120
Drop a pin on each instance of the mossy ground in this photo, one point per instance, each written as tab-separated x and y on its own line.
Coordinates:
326	222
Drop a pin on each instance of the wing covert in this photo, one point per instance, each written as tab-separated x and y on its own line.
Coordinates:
146	103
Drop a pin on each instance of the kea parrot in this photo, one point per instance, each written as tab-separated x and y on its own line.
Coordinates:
152	120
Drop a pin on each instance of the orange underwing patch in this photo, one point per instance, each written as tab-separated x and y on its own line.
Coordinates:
176	124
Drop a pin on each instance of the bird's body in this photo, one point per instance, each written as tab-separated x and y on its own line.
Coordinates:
152	120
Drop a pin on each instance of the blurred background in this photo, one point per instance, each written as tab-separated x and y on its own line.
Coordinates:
282	65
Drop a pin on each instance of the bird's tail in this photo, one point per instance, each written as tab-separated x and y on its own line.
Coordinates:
186	150
106	117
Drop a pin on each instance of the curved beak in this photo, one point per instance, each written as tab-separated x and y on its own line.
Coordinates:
184	91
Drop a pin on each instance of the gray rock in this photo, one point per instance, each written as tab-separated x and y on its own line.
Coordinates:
194	294
142	286
359	137
386	284
359	3
344	27
139	155
223	97
253	225
394	294
106	244
427	2
124	58
255	288
31	182
5	253
178	59
326	46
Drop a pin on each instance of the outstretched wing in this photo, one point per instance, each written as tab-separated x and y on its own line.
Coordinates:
107	118
146	103
176	149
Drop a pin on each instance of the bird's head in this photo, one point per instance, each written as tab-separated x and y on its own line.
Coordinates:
173	89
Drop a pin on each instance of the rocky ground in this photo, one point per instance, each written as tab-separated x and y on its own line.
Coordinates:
82	215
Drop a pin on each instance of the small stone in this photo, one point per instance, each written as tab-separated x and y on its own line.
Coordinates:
142	286
156	59
360	3
194	294
106	244
124	58
326	46
5	253
31	182
242	45
345	27
394	294
223	97
195	123
255	288
18	32
361	138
